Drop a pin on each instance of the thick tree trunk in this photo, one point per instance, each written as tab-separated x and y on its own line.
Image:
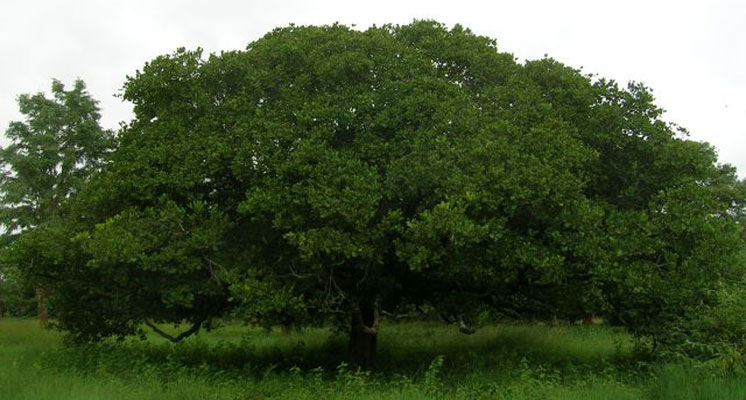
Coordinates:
363	336
286	323
41	307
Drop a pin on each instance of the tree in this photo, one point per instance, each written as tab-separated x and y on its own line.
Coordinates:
329	173
50	156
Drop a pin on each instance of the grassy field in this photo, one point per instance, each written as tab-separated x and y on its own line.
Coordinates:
416	361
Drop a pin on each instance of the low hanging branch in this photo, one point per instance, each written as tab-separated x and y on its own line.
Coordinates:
463	327
398	317
175	339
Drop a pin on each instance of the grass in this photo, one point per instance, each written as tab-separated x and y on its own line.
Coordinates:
416	361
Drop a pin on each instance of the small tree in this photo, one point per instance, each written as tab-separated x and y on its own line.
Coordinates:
51	154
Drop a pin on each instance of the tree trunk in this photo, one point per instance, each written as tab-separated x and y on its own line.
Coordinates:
363	336
41	306
284	329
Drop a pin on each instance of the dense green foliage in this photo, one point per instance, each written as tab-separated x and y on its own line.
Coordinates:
50	156
324	172
15	300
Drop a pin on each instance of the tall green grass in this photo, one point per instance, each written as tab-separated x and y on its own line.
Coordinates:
416	361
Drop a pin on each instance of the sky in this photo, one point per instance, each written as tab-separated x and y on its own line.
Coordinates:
691	53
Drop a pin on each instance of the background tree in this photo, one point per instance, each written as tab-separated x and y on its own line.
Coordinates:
326	174
49	157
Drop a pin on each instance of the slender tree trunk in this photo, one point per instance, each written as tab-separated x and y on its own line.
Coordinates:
41	307
363	336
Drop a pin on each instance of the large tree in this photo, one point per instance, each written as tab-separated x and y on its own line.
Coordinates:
330	172
50	155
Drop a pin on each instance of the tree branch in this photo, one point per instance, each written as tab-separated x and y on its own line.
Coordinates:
174	339
397	317
210	264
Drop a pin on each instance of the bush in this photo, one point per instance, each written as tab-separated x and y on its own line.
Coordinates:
15	300
714	333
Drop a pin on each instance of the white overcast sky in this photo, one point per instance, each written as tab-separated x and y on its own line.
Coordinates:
691	53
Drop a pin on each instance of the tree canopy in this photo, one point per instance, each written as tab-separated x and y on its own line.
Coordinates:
50	156
325	172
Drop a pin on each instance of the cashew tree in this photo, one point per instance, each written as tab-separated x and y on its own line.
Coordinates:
328	174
